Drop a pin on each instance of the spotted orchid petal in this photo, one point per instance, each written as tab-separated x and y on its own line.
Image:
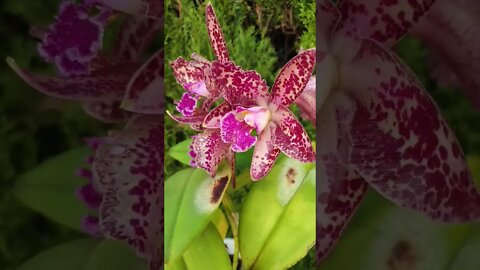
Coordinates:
450	31
212	120
144	93
148	8
189	74
239	87
265	154
339	193
328	17
293	78
128	170
399	143
257	117
217	40
208	150
107	111
236	133
134	36
108	83
195	119
74	39
384	21
187	104
306	101
291	138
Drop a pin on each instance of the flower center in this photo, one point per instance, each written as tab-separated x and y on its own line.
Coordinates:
256	117
198	88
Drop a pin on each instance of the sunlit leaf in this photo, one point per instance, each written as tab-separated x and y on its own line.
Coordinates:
277	221
50	188
220	221
191	197
180	152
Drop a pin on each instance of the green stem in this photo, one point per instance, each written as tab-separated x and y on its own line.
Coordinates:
232	219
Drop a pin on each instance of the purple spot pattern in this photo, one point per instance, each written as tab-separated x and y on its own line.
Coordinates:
236	133
208	150
265	154
217	40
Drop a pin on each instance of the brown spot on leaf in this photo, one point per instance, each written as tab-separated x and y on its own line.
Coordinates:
218	188
402	257
291	173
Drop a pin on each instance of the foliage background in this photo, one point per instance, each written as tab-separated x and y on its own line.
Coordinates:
34	127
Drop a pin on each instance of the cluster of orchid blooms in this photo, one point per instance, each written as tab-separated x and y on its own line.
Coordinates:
376	126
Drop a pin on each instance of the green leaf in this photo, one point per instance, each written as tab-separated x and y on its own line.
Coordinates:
207	252
180	152
50	188
277	221
87	254
191	197
467	257
220	222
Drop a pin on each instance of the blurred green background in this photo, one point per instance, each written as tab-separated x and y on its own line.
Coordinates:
261	35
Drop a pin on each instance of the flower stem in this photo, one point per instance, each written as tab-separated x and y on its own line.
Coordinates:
232	219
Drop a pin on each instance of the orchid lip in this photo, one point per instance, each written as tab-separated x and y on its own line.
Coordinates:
256	117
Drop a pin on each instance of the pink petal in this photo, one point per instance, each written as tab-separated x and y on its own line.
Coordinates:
89	196
383	21
239	87
217	41
90	225
339	193
135	34
208	150
328	17
293	78
128	169
109	83
399	143
187	105
264	154
212	120
291	138
306	101
450	31
107	111
236	133
73	40
145	89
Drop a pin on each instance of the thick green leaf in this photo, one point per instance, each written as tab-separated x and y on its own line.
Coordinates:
50	188
87	254
207	252
191	197
180	152
277	221
467	257
220	221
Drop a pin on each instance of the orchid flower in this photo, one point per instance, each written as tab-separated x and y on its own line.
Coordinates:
306	101
105	84
377	126
450	32
194	75
125	187
254	109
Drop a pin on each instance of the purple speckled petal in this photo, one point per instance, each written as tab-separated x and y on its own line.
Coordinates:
217	40
134	36
399	143
145	89
212	120
90	225
107	111
73	40
187	73
380	20
236	133
187	104
208	150
239	87
293	78
264	154
291	138
195	119
108	83
89	196
128	171
148	8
